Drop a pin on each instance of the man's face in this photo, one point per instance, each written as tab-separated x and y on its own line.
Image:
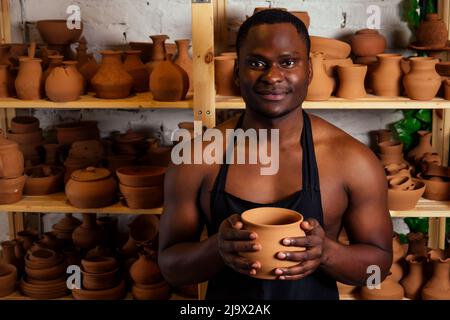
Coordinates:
273	71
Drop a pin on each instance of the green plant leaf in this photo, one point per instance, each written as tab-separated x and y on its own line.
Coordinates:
424	115
417	224
409	113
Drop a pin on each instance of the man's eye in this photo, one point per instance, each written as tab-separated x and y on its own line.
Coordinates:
289	63
257	64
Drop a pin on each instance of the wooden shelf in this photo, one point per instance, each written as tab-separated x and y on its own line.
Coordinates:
57	203
138	101
371	102
425	209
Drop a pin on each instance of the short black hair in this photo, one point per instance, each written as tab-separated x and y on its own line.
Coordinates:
272	16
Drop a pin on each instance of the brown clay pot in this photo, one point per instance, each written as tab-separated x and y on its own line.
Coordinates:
417	244
272	225
383	135
438	287
56	32
352	81
11	159
146	49
69	133
158	291
54	62
8	278
405	199
184	60
42	180
424	146
52	153
223	74
112	81
143	229
5	80
100	251
396	271
28	237
401	183
331	48
321	85
141	176
91	188
50	273
390	290
437	187
142	197
98	265
387	77
87	235
331	69
303	16
88	70
29	85
74	164
432	32
116	293
414	280
9	254
145	270
24	124
390	147
26	138
134	66
158	53
65	227
422	82
367	42
44	290
11	190
118	161
169	82
100	281
89	149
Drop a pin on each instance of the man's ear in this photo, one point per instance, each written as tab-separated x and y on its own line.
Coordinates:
236	74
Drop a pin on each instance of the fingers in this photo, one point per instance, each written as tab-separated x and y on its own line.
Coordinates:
307	242
312	227
242	265
296	272
239	246
231	229
235	221
301	256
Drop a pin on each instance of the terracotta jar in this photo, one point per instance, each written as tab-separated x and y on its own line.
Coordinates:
390	290
437	186
116	293
141	176
8	279
367	43
272	225
72	65
91	188
88	234
63	84
11	190
387	77
303	16
24	124
159	52
331	69
142	197
438	287
54	61
56	32
11	159
134	66
417	244
352	81
432	32
88	70
321	85
168	81
88	149
145	270
331	48
5	80
422	82
69	133
112	81
29	85
223	75
390	147
415	279
65	227
28	237
158	291
424	146
184	60
9	254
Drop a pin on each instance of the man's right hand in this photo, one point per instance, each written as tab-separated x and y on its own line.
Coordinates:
233	240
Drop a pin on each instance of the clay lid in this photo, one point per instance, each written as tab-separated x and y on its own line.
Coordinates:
91	174
142	171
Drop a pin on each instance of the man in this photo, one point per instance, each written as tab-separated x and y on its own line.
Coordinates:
325	174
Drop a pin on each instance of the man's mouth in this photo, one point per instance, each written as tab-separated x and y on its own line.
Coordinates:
272	95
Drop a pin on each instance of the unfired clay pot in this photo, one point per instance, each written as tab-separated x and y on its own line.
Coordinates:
331	48
88	234
422	82
24	124
158	291
367	42
5	80
159	52
272	225
8	278
68	133
321	85
383	135
405	199
390	290
414	280
54	61
352	81
64	84
134	66
141	176
11	190
29	85
223	74
397	249
184	60
42	180
11	159
387	77
56	32
145	270
432	32
438	287
142	197
437	187
417	244
423	147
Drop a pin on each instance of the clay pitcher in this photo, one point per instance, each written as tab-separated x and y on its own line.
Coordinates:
169	82
63	84
422	82
438	287
29	84
387	77
183	59
423	147
134	66
145	270
417	244
432	32
415	279
159	52
88	235
321	85
352	81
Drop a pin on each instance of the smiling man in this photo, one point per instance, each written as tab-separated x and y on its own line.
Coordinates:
325	174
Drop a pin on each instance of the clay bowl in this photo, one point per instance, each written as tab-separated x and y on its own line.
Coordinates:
401	182
142	197
48	273
158	291
391	147
8	278
42	180
141	176
272	225
99	264
24	124
69	133
144	228
405	200
11	190
26	138
116	293
44	290
331	48
100	281
42	259
55	32
437	187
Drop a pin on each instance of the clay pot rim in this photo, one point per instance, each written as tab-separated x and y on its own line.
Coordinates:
131	189
28	59
391	143
141	171
25	120
153	286
10	270
94	294
20	179
56	171
98	174
393	56
36	257
415	259
419	185
159	36
354	66
97	275
246	217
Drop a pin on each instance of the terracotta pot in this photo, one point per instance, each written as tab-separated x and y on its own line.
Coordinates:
303	16
331	69
417	244
54	62
29	85
390	147
390	290
169	82
141	176
91	188
65	227
74	164
424	146
9	254
405	199
26	138
159	52
11	159
396	272
387	159
130	143
158	291
87	235
51	273
387	76
112	81
42	180
414	280
28	237
223	72
145	270
422	82
321	85
100	281
367	42
437	188
438	287
44	290
401	183
56	32
5	80
146	49
24	124
143	197
331	48
352	81
11	190
52	153
118	161
88	70
432	32
89	149
8	278
143	229
134	66
397	249
184	60
69	133
272	225
116	293
99	265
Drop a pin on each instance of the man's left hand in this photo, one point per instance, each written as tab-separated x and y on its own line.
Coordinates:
310	259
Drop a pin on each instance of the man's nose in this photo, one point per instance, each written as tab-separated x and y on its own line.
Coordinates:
273	75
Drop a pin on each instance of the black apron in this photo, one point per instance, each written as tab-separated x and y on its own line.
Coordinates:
228	284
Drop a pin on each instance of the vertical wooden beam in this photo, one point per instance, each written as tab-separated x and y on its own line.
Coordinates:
203	62
11	224
5	25
220	26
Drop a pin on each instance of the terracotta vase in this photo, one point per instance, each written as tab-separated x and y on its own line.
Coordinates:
28	237
422	82
432	32
29	85
9	254
169	82
303	16
424	146
223	75
134	66
112	81
352	81
65	227
331	69
415	279
396	271
417	244
54	61
88	234
11	159
367	43
321	85
5	80
64	84
184	60
438	287
159	52
387	77
271	225
145	270
389	290
88	70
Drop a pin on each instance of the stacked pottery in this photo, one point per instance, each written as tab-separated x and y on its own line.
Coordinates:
134	66
64	228
143	230
321	86
351	79
366	45
422	82
65	83
26	132
417	244
50	241
223	75
8	278
83	154
142	187
413	282
389	290
438	286
28	237
158	53
158	155
12	179
184	60
432	32
391	152
43	179
45	275
58	35
69	133
416	154
88	235
437	181
131	143
404	191
9	255
387	77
